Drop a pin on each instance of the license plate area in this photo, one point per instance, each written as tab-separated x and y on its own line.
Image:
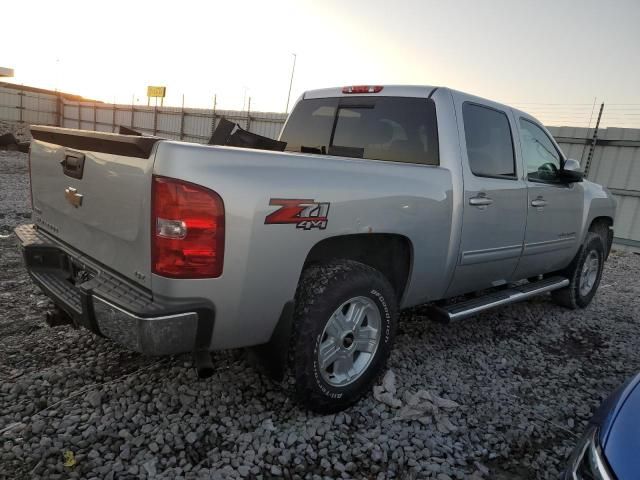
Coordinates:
52	260
60	276
48	260
80	273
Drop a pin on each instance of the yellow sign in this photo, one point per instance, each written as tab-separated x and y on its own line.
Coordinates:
156	92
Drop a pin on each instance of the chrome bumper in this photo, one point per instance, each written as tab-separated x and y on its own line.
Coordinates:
152	336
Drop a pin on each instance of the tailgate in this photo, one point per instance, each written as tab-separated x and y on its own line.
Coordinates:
92	190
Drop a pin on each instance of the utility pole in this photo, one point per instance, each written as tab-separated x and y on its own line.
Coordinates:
249	114
293	69
133	102
57	74
244	96
182	119
588	127
213	115
594	140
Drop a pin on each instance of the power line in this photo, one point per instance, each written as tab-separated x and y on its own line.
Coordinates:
542	103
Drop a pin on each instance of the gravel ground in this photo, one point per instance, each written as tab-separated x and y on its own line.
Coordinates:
502	395
20	130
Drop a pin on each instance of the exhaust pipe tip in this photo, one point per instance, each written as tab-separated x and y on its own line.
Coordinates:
203	363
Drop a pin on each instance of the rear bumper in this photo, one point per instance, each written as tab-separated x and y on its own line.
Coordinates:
153	336
110	305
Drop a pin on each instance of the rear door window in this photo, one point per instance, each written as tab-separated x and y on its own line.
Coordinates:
397	129
489	141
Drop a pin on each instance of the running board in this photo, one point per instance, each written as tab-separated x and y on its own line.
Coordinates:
461	310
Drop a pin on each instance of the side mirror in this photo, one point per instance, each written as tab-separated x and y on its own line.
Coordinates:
570	171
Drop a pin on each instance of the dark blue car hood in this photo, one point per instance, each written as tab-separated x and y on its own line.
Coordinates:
619	421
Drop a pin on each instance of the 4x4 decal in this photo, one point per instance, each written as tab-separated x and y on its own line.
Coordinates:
305	213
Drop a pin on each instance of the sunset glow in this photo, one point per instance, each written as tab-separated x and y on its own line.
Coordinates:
533	52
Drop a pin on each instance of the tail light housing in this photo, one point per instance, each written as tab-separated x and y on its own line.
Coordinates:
187	230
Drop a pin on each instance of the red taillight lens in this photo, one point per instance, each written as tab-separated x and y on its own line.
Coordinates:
363	89
187	230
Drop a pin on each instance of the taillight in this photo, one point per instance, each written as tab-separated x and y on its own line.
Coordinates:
187	231
363	89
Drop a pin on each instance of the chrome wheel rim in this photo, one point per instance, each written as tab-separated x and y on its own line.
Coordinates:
349	341
589	273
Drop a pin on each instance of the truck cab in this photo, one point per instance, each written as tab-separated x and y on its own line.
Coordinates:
520	218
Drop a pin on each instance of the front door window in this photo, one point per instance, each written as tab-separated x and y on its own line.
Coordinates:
541	158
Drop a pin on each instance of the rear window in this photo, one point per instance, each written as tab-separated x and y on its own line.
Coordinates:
396	129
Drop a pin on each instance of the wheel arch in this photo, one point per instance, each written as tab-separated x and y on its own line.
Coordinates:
391	254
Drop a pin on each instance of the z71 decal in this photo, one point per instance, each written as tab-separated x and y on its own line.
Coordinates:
306	214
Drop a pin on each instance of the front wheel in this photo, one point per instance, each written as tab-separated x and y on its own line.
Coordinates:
584	275
344	326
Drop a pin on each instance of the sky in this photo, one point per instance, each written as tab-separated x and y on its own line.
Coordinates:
554	59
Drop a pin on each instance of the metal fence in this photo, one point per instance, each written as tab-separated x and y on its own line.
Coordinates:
615	163
612	160
30	107
179	123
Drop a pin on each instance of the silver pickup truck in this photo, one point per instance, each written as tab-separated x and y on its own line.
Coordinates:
384	197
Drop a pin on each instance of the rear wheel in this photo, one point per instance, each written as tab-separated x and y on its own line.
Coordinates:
345	321
584	274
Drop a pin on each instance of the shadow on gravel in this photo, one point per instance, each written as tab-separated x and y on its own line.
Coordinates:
576	344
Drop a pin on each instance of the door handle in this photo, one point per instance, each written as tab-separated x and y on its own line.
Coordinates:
539	202
480	201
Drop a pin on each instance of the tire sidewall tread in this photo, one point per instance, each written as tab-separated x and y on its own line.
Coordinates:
322	289
570	296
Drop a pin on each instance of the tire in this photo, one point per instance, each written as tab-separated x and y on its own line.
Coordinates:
326	331
583	280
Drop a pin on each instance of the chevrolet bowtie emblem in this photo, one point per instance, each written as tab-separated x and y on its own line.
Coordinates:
72	196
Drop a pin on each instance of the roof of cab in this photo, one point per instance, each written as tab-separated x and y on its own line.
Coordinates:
387	90
419	91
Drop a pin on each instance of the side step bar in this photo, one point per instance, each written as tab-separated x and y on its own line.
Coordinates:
461	310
